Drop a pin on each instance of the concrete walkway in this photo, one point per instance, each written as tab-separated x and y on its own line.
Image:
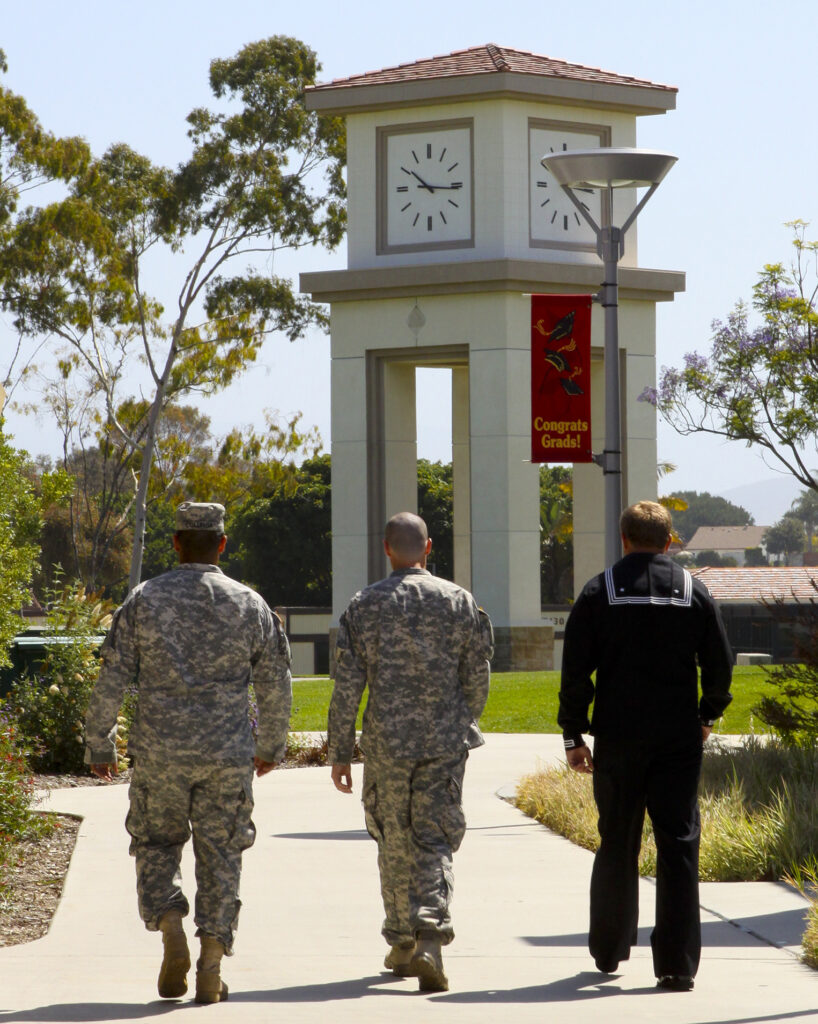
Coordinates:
309	948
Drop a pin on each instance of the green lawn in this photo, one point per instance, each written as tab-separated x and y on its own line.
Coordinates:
527	702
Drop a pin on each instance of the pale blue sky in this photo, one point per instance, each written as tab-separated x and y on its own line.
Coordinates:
742	131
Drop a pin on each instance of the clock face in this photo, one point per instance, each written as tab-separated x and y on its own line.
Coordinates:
553	218
425	181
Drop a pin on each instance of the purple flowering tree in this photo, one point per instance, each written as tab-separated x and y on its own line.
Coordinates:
759	384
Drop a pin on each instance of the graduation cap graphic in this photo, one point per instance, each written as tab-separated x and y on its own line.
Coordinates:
553	356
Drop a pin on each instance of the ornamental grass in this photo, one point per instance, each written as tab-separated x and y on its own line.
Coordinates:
758	808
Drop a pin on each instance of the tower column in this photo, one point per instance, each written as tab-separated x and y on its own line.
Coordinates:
505	510
461	476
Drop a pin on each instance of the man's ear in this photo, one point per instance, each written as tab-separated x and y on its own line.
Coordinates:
428	545
222	543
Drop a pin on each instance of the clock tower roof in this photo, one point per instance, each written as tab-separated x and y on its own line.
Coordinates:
489	71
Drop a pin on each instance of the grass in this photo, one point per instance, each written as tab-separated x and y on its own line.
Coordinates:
527	702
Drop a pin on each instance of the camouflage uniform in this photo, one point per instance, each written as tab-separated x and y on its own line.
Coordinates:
192	640
422	646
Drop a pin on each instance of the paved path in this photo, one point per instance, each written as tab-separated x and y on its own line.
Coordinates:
309	948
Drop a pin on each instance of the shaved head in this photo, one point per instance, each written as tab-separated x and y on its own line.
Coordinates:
407	536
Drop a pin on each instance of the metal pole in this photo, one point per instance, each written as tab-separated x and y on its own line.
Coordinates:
610	245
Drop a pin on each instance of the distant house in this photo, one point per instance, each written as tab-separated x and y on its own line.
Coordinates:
727	541
744	597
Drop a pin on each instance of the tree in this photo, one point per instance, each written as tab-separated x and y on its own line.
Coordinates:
75	268
281	544
249	463
759	384
29	157
786	537
705	509
754	557
805	509
91	537
556	535
436	508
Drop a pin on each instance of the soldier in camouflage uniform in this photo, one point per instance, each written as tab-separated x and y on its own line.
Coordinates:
192	640
422	646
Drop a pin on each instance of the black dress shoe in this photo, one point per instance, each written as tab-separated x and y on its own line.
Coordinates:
607	966
675	982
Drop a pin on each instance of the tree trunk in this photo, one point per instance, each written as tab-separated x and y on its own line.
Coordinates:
141	502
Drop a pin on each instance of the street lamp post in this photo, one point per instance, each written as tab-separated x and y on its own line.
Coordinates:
607	169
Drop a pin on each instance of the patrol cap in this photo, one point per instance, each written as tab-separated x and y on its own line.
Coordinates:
200	515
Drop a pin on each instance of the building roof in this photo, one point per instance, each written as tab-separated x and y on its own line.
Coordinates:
492	68
726	538
487	60
765	583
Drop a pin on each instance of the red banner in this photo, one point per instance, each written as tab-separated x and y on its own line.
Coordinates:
561	378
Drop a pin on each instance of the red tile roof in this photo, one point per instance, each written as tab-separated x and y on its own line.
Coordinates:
487	60
763	583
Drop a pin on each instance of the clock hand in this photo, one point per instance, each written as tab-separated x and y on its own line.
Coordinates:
434	188
430	188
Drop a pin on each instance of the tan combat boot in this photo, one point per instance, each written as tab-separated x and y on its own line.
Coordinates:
427	965
176	963
399	961
209	986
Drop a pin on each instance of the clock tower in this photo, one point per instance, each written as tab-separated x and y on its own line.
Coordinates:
453	221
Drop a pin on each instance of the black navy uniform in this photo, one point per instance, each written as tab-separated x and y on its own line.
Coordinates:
643	625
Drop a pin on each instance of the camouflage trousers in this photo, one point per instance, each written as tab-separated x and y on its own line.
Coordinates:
214	802
414	810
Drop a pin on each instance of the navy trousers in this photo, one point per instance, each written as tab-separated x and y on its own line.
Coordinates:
660	777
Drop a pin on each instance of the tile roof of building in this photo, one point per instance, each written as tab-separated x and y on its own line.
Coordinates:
486	60
789	583
726	538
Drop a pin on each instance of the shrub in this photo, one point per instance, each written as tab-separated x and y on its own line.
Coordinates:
49	706
305	750
17	820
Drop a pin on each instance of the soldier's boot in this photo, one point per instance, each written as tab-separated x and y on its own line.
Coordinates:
427	964
209	986
399	961
176	963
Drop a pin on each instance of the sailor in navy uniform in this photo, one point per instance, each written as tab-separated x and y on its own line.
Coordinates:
643	626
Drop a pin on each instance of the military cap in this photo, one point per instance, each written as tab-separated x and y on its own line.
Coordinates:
200	515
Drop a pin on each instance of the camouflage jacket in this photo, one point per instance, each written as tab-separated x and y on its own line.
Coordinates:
421	645
192	640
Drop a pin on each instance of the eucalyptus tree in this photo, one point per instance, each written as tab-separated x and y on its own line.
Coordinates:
30	157
263	175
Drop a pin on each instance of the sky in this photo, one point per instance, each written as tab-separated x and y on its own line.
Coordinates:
742	132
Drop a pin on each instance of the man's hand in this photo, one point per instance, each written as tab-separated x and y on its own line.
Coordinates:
706	730
579	760
342	777
262	767
105	772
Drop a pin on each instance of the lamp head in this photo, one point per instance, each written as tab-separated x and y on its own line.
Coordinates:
609	168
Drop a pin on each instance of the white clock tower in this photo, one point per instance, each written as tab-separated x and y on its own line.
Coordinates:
452	221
